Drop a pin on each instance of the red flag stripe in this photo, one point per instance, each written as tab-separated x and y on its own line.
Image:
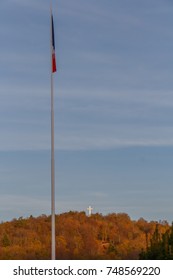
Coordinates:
53	49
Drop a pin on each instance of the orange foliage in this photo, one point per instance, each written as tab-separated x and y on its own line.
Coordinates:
114	236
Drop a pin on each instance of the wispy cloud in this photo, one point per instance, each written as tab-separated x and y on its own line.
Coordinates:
109	90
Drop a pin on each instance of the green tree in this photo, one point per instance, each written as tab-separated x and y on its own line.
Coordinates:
5	240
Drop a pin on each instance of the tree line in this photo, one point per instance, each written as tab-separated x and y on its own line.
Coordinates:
113	236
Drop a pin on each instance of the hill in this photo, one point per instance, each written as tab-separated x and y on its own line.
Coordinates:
114	236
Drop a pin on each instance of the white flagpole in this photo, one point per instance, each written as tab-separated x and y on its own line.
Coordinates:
53	245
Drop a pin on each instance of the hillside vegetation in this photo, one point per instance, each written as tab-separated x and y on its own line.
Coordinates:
114	236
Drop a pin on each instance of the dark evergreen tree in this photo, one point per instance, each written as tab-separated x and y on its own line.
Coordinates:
161	246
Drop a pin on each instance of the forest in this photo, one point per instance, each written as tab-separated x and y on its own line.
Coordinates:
78	236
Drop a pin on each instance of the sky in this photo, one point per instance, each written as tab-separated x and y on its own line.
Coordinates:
113	107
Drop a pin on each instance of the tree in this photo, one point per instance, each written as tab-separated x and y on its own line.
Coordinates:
5	240
161	246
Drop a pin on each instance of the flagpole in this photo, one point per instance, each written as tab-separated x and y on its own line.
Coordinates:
53	245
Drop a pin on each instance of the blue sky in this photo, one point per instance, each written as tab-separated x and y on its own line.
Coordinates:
113	107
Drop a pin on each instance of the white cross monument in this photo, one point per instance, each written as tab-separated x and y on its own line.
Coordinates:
89	210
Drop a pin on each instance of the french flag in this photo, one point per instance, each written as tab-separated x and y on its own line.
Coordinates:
53	49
